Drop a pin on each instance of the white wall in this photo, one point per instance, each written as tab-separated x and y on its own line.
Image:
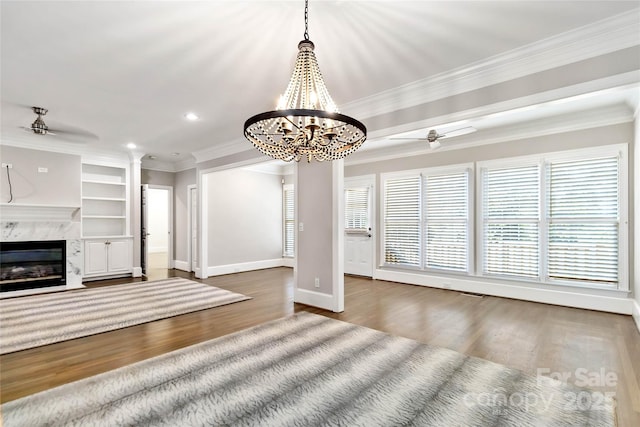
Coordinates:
60	185
319	271
154	177
244	217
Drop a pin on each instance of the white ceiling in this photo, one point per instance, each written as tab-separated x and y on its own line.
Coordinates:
127	71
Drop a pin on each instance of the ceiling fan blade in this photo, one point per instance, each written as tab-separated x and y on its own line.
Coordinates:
457	132
412	139
72	130
74	137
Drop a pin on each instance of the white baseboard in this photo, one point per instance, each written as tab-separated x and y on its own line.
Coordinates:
288	262
636	314
181	265
313	298
594	300
219	270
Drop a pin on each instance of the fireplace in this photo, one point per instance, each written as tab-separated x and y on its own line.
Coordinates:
33	264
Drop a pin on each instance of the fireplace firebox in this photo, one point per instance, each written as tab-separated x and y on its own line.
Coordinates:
34	264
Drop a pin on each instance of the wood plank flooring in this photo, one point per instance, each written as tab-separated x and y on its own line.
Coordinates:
519	334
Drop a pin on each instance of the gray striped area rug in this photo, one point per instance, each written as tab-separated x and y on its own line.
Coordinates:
309	370
33	321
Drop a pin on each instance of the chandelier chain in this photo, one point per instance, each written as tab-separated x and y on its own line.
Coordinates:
306	19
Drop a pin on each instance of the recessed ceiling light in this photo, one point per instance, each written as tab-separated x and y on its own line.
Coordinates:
191	117
131	145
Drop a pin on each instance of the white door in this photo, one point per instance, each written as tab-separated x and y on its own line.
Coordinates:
358	226
193	207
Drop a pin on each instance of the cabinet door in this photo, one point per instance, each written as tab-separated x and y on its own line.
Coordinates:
95	257
119	257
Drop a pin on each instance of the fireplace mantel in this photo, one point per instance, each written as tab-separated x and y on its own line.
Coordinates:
31	212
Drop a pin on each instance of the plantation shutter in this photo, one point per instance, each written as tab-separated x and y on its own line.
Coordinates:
583	212
446	214
289	221
356	209
510	203
402	221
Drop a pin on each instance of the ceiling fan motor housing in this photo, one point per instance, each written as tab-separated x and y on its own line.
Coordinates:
432	136
39	126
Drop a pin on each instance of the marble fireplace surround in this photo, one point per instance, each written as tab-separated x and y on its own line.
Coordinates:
22	222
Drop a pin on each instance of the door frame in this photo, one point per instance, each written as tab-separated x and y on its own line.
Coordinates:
169	188
369	180
190	214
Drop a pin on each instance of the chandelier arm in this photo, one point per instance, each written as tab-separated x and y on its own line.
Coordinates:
303	112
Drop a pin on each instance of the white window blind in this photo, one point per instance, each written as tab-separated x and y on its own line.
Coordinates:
402	221
446	227
289	221
583	215
356	209
427	222
511	217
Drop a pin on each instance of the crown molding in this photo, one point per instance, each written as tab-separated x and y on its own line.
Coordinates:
235	146
606	36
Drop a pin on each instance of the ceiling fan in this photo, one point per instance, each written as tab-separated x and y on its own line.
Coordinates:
69	133
433	136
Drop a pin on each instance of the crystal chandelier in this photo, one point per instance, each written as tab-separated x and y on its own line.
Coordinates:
306	122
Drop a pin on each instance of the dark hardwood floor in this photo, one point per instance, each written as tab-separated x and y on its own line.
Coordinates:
519	334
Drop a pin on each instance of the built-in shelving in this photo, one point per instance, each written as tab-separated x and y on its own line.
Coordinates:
108	244
104	200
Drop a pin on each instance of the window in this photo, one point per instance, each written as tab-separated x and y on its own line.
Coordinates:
356	209
511	213
583	220
402	221
556	218
426	219
288	215
446	221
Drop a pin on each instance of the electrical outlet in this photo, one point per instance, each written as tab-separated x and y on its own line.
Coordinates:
317	282
300	226
43	170
7	165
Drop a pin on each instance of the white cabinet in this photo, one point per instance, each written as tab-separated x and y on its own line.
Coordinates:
107	257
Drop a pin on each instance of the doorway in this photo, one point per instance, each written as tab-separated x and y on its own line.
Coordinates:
358	225
157	230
